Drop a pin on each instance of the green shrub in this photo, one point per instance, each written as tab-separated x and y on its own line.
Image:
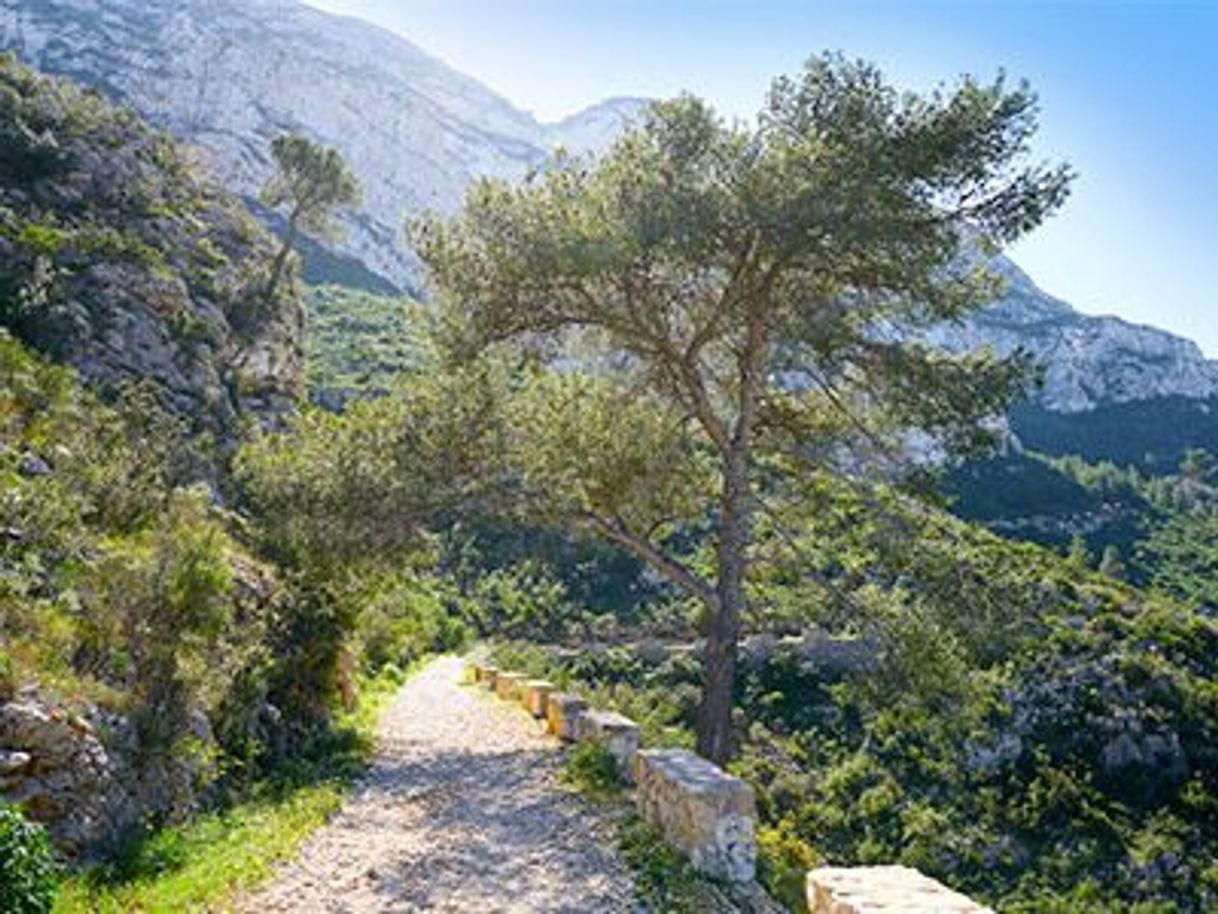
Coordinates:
592	770
663	879
28	874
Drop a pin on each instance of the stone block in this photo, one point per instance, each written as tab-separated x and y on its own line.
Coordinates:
487	674
563	712
618	734
887	889
508	685
534	695
705	813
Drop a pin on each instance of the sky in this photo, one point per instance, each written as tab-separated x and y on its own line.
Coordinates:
1128	93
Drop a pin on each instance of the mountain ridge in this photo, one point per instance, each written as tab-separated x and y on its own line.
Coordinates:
228	76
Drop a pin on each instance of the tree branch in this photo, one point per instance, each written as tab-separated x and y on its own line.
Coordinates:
676	571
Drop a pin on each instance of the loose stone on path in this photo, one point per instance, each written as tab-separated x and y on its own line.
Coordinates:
461	811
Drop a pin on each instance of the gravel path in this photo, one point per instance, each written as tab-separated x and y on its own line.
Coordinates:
459	812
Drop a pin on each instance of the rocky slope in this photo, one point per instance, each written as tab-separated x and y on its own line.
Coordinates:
1088	361
229	75
119	256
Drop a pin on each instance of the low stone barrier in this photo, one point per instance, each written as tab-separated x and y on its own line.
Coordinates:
508	685
562	714
534	696
618	734
485	674
898	889
705	813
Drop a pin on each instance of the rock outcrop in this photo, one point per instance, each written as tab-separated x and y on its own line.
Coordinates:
1088	361
121	256
84	774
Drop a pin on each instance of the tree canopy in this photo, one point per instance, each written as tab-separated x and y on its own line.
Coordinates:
759	288
312	182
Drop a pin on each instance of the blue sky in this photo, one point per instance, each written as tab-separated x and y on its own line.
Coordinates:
1129	95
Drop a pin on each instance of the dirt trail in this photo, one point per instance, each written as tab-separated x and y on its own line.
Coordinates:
459	812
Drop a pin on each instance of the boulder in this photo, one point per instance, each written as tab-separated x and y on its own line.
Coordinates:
562	714
703	812
891	889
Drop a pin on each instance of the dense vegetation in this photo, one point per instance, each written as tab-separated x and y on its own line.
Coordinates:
1157	531
1036	735
120	255
358	344
748	294
143	597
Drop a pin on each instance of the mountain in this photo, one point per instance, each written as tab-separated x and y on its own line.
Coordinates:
229	75
596	128
1089	361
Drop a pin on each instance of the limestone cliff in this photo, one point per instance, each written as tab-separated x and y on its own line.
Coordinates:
230	75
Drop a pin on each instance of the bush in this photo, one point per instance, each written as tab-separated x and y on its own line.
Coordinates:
28	874
592	770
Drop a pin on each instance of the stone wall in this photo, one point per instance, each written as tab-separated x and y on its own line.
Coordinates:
705	813
896	889
709	815
85	787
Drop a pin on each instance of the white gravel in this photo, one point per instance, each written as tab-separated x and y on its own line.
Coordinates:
461	811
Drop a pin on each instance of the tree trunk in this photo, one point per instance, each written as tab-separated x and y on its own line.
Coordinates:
281	259
723	626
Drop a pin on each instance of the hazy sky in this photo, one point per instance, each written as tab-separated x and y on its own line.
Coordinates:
1129	95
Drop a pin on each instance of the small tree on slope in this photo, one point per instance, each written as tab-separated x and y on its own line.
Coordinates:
744	295
312	182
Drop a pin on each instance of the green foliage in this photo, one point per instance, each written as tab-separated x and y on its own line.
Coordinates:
738	292
28	871
148	240
339	491
342	504
664	880
313	183
1182	555
358	344
117	583
312	180
1033	734
202	865
592	770
1155	531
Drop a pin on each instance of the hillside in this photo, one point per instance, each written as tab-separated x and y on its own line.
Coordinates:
121	256
190	659
230	75
1036	735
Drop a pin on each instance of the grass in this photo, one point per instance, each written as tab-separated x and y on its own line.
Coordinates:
203	865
